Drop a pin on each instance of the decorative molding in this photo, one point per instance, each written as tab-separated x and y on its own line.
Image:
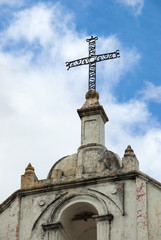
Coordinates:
47	209
93	111
73	196
122	211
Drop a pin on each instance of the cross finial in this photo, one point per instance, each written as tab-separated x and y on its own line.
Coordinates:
92	38
91	60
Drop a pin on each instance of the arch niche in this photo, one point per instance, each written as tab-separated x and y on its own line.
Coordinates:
80	217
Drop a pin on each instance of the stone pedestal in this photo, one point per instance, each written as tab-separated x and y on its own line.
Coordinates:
93	119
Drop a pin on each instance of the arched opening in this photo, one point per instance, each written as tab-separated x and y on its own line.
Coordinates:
78	223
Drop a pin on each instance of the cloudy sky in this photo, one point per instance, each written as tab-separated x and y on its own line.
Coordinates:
39	97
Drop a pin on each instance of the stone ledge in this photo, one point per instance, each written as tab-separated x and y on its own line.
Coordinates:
76	183
82	112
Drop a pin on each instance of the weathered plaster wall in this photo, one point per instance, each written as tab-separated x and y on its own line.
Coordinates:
4	216
26	217
92	130
124	227
134	203
121	206
154	212
9	221
31	208
141	209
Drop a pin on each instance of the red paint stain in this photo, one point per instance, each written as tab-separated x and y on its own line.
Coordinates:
139	213
17	231
145	225
138	196
139	189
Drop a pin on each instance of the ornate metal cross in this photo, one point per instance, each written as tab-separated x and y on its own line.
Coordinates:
91	60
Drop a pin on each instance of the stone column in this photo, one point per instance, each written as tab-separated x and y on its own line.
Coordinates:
104	226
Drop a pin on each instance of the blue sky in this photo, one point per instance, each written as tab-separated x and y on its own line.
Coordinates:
39	97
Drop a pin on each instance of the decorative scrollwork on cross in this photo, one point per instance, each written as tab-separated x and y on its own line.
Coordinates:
91	60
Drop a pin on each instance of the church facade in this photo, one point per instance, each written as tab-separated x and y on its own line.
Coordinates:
89	195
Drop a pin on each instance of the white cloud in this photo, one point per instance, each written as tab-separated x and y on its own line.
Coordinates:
146	146
151	93
39	97
11	2
136	5
122	130
40	24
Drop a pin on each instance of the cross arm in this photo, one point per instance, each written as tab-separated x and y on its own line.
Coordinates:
78	62
92	59
107	56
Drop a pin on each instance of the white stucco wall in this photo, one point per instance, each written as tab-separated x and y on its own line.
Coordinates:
9	221
154	212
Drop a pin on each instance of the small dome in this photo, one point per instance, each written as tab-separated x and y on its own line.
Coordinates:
66	164
95	161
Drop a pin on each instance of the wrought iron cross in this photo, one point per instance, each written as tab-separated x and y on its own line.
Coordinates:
91	60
